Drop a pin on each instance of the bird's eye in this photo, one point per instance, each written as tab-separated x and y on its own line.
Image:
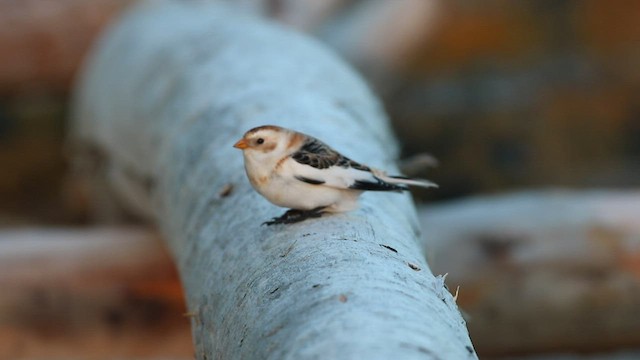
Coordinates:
260	141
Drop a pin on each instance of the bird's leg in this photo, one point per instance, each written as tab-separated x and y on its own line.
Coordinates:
288	217
294	216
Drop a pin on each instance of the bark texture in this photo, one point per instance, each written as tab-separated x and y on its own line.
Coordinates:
165	95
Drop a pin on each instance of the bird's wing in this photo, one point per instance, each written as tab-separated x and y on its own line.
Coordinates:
319	155
318	164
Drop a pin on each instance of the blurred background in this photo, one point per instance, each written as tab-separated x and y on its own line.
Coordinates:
532	109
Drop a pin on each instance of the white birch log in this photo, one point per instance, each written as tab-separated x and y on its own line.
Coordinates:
165	95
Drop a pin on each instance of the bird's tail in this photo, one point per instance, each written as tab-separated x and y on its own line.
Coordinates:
403	180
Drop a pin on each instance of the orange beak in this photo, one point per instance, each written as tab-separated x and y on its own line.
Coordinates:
242	144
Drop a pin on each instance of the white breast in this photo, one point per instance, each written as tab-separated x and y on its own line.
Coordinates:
283	189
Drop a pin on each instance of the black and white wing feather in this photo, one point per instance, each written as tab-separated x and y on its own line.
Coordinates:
319	155
318	164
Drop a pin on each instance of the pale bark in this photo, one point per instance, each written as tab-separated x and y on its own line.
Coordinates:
166	94
542	270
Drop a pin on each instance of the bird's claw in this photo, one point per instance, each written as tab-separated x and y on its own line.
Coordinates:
294	216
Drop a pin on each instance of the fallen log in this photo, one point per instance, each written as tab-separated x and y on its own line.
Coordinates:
165	95
542	271
89	293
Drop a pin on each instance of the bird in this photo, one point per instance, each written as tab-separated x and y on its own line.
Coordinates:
299	172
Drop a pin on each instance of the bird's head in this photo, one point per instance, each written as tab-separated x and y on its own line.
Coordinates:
264	141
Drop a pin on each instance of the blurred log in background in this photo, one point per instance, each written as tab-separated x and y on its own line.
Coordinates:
506	95
542	271
89	293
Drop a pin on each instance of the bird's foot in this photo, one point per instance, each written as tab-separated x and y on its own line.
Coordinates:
294	216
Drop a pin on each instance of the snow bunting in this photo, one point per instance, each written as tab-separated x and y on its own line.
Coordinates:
300	172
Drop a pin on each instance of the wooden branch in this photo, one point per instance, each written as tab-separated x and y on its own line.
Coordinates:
89	293
166	94
543	270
